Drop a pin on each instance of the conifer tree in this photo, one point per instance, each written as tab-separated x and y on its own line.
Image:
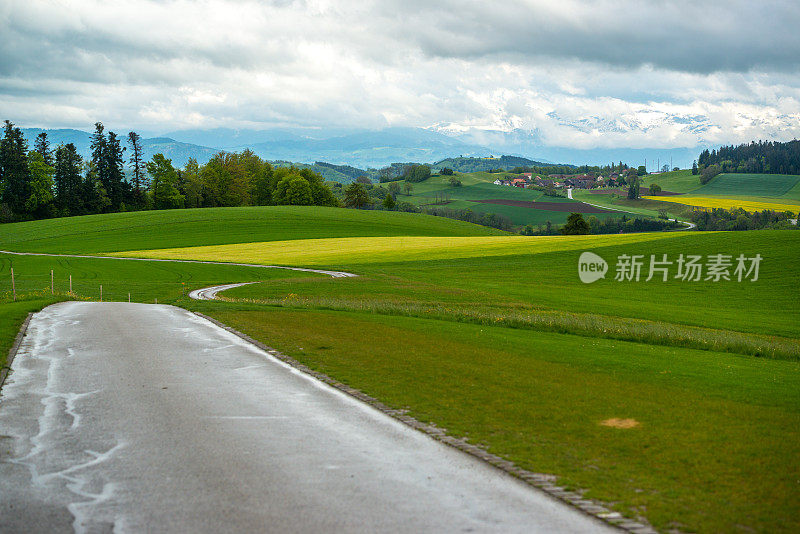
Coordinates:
42	146
14	173
135	143
67	179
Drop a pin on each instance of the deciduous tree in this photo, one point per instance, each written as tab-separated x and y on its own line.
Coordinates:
576	225
163	183
40	197
355	196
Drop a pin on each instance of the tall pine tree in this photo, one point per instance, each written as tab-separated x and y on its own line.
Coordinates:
42	146
14	173
118	190
67	180
97	170
137	164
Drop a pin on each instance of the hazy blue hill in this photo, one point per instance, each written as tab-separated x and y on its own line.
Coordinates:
327	171
370	148
229	138
177	151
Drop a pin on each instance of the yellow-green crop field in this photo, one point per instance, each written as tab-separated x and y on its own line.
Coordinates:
728	203
361	250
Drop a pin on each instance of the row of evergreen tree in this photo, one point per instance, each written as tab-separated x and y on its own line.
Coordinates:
54	182
768	157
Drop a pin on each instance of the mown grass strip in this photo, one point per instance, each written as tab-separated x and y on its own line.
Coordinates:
583	324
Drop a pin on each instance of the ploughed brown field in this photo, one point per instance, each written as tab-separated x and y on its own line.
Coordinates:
622	192
570	207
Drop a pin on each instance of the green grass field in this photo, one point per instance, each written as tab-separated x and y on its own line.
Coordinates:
750	185
497	340
682	181
164	229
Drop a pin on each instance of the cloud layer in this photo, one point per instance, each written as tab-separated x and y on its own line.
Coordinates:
591	73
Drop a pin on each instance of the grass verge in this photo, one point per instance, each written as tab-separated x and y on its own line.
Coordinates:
589	325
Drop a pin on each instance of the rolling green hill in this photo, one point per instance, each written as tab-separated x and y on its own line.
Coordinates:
750	185
172	228
675	181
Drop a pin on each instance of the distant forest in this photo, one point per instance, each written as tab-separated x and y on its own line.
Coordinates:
47	181
503	163
768	157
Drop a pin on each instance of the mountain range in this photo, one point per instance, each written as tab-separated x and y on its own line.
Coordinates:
370	148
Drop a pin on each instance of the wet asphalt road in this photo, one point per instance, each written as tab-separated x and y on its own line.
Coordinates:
145	418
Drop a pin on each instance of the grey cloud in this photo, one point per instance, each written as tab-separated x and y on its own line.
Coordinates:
689	36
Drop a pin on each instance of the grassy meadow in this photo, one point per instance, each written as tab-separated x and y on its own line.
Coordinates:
682	181
212	226
494	338
755	185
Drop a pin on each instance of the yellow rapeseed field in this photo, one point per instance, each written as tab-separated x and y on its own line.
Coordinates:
356	250
727	203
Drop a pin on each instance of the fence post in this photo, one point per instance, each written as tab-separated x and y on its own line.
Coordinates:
101	293
70	284
129	298
13	286
52	287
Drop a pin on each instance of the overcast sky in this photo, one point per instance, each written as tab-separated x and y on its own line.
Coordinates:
580	73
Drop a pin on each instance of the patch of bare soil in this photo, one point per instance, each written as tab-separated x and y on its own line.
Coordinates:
568	207
620	423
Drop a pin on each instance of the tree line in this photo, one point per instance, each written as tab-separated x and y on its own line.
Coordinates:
577	225
48	181
739	219
762	157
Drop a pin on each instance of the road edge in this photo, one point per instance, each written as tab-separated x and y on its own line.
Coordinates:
12	353
541	481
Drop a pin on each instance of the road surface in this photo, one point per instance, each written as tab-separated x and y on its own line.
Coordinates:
210	293
135	417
